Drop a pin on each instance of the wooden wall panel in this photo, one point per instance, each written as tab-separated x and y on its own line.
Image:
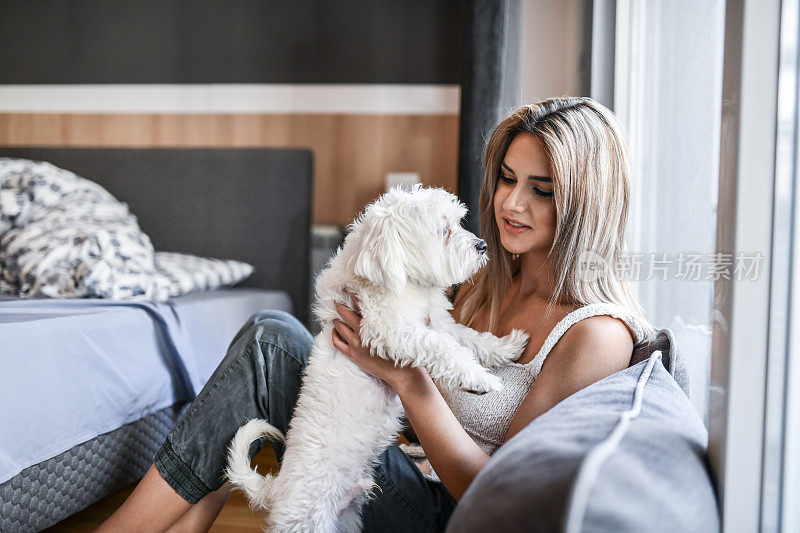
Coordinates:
352	153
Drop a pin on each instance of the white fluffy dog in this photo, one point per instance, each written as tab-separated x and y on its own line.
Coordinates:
398	258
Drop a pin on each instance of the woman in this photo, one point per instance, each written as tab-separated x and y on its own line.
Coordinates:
555	192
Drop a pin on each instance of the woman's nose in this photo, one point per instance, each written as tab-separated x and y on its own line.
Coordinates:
515	200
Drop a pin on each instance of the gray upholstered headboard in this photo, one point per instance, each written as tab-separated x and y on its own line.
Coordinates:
250	204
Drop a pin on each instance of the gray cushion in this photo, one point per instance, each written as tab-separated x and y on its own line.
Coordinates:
655	479
674	360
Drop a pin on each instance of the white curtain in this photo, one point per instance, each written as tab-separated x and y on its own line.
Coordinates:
667	92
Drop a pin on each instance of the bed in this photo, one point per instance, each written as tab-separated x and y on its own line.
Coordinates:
90	387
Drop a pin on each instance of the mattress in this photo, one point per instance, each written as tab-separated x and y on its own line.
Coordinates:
45	493
76	369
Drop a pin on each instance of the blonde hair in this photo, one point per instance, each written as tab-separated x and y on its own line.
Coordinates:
591	169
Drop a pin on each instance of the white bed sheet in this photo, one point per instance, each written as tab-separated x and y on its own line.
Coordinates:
71	370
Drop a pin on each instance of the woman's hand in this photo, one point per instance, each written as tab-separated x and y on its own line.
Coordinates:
450	450
347	340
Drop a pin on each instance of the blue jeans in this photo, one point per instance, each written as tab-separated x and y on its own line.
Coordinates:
260	378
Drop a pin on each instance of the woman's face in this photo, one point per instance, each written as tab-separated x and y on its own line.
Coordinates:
523	199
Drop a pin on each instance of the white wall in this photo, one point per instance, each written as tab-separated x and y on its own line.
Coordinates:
553	42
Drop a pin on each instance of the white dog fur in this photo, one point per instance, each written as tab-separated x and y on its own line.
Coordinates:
400	255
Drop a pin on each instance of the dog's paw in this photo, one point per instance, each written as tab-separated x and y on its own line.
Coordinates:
483	384
513	344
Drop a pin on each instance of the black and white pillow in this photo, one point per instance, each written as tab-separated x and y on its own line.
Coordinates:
184	273
64	236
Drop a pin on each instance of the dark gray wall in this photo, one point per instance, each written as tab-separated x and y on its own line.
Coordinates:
229	41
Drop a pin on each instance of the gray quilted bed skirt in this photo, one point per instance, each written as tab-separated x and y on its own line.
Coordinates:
45	493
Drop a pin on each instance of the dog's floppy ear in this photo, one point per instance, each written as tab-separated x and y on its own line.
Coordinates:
380	256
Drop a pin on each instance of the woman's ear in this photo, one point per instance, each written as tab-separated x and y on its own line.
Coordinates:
380	256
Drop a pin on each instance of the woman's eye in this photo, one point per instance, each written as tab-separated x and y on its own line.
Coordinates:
543	194
507	180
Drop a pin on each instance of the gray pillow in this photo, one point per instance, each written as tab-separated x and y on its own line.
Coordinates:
580	467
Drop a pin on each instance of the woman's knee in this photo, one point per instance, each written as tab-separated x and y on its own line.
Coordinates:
273	314
280	331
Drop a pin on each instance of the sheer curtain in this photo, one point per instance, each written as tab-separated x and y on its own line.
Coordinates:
667	91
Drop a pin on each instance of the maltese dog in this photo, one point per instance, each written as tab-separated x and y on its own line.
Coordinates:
398	259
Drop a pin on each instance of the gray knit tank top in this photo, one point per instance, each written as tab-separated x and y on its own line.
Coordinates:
487	417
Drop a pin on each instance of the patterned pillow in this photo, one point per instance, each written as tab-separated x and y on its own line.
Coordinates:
63	236
184	273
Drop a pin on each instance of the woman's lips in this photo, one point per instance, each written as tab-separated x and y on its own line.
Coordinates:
514	230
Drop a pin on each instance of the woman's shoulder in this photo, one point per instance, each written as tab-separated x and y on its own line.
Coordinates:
602	319
599	329
598	332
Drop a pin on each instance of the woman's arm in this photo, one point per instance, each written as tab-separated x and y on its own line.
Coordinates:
590	350
452	453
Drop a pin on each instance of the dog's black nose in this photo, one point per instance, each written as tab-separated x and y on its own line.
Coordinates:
481	246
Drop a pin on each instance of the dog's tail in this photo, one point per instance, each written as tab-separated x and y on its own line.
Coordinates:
254	485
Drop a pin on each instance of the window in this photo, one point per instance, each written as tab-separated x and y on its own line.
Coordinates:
667	91
709	94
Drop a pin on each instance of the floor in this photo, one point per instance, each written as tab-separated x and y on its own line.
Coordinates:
236	516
